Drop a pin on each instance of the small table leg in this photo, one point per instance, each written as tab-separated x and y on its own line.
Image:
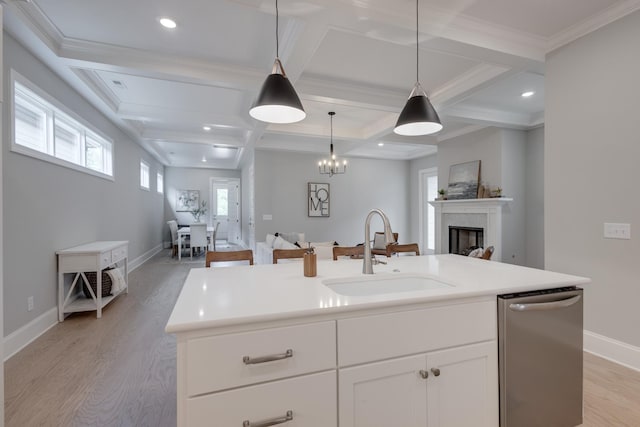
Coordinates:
60	297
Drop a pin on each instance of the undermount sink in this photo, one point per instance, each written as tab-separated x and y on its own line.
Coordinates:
383	284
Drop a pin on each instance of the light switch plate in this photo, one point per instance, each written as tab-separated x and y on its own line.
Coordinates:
267	217
617	231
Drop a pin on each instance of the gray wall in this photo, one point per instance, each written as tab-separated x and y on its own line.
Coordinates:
591	162
513	185
49	207
281	190
189	179
415	166
534	198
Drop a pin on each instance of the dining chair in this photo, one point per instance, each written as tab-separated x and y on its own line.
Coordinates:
215	233
352	251
407	247
287	253
198	238
377	249
175	241
243	255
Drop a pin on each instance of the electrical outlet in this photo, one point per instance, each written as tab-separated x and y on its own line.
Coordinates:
617	231
29	303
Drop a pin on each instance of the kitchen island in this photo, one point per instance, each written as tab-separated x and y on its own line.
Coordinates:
411	345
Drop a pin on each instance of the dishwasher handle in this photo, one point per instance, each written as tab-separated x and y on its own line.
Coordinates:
543	306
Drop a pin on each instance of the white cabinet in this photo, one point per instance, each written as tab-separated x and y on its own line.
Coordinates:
259	376
433	365
456	387
383	394
428	363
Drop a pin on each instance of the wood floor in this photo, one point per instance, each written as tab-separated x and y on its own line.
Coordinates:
120	370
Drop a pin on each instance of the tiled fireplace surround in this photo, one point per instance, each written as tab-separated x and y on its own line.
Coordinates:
481	213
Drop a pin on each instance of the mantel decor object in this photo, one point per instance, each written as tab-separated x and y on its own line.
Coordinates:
463	180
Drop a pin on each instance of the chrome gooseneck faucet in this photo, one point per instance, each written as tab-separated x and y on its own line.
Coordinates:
367	266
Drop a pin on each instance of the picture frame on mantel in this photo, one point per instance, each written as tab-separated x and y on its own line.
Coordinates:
318	200
187	200
463	180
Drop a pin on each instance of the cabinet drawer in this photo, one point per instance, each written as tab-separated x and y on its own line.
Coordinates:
217	363
105	259
365	339
118	254
311	399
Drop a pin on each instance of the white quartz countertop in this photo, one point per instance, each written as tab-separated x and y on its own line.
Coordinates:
227	296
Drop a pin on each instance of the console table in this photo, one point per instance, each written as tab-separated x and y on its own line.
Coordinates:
78	260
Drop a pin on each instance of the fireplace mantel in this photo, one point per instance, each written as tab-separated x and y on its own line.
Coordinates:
488	210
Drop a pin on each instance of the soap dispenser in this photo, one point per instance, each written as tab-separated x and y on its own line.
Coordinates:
309	262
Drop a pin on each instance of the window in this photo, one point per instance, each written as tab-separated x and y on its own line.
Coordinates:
144	175
159	183
44	129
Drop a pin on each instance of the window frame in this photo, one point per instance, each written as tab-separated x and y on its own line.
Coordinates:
54	106
146	165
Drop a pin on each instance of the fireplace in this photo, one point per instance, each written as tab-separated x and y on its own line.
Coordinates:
462	240
484	214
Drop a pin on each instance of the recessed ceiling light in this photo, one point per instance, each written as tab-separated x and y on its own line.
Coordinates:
204	159
207	128
380	144
527	94
168	23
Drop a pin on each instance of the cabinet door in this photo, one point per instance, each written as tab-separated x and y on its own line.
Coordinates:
383	394
465	391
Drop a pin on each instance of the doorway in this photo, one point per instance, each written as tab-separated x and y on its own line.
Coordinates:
428	191
225	208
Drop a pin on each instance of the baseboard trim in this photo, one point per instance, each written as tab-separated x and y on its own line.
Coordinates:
616	351
135	263
25	335
22	337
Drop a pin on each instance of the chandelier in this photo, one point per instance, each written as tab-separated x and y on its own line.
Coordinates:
332	166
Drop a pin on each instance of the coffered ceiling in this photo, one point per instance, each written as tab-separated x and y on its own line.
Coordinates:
355	57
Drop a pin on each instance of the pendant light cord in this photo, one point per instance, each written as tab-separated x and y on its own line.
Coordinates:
417	47
277	41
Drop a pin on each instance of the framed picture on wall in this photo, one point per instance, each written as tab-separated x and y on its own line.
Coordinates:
318	199
463	180
187	200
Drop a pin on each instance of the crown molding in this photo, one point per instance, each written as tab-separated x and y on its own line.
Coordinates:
460	132
96	84
613	13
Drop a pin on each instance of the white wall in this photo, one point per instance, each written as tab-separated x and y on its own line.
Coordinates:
48	207
189	179
281	191
534	198
592	150
1	225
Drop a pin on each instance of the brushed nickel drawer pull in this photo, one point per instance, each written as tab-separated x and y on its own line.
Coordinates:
271	422
262	359
435	371
424	374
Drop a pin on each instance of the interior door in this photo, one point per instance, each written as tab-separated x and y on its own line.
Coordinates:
233	215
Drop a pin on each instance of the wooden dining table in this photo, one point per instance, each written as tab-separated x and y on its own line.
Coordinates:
186	231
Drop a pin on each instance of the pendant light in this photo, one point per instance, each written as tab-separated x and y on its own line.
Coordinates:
418	117
278	101
332	166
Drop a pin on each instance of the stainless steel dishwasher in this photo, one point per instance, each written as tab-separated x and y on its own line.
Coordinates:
540	358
